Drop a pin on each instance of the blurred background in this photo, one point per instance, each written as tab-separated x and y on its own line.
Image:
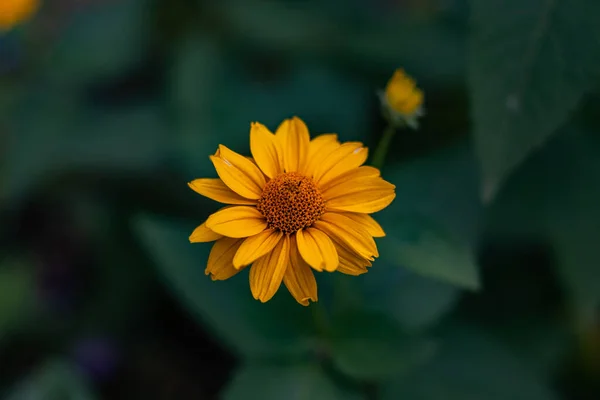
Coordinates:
488	284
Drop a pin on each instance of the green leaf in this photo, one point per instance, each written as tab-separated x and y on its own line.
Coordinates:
554	197
293	382
414	301
206	88
278	327
542	343
425	248
469	366
100	43
371	347
432	226
442	186
314	31
58	136
530	63
55	380
197	77
17	295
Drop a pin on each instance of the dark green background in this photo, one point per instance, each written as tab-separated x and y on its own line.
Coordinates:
488	284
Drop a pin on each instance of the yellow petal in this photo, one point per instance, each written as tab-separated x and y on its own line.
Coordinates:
346	231
356	186
267	272
220	259
366	196
294	138
360	173
256	246
237	222
367	222
216	189
299	278
317	249
350	258
321	141
202	234
350	269
318	149
265	150
363	202
331	159
349	163
239	173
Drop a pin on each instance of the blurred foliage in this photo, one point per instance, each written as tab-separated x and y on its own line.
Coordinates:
488	284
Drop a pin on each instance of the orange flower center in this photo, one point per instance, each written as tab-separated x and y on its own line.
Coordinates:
291	202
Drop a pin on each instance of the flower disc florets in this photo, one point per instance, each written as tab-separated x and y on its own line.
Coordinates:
291	202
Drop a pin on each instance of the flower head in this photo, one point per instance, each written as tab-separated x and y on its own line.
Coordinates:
297	206
13	12
402	100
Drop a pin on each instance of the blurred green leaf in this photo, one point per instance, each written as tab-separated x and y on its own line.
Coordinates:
207	85
55	380
432	225
277	24
197	76
442	186
329	33
327	99
369	346
541	343
293	382
50	136
414	301
555	197
469	366
278	327
425	248
398	40
530	63
17	295
102	41
118	268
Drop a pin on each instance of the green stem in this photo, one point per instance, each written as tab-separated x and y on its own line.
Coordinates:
383	146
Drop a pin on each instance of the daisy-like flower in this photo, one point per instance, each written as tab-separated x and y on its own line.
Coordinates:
402	100
12	12
298	205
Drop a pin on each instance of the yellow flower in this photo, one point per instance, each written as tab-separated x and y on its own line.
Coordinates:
298	205
402	100
13	12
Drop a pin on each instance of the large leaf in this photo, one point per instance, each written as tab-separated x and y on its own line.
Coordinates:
54	380
293	382
414	301
101	42
216	97
251	328
470	366
372	35
17	295
432	225
196	76
555	198
425	248
50	136
369	346
530	63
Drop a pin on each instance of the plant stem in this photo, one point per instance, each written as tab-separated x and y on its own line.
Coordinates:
383	146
